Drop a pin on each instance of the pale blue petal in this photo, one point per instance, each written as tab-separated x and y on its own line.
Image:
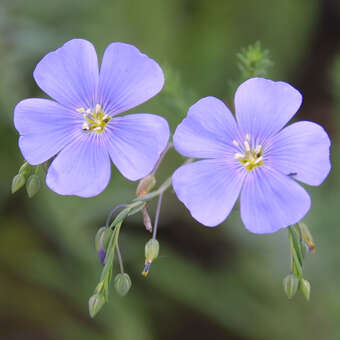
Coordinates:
302	151
70	74
208	130
45	128
83	168
209	189
264	106
271	201
135	143
127	78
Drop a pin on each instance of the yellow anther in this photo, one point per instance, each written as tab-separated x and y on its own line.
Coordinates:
95	120
235	143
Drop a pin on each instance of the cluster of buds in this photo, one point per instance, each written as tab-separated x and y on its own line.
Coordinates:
29	175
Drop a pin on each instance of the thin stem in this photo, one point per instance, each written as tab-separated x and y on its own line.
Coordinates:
159	204
161	158
113	211
120	259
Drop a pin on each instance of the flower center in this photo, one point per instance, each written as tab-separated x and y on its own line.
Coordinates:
95	120
252	157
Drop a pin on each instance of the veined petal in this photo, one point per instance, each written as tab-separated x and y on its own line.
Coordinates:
135	143
127	78
45	128
208	130
264	106
70	74
209	189
302	151
271	201
83	168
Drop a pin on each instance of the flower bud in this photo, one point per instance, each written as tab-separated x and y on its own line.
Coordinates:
122	283
307	237
96	302
25	169
290	285
18	182
145	185
101	242
33	185
151	253
147	219
151	250
305	288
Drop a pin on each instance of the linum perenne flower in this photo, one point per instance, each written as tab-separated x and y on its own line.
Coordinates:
80	126
253	156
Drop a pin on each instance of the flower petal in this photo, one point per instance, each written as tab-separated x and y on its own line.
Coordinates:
208	130
302	150
135	143
209	189
70	74
127	78
83	168
271	201
264	106
45	128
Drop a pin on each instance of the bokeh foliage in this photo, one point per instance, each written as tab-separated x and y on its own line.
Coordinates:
221	283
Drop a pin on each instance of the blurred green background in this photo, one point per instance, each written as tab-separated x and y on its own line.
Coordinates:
221	283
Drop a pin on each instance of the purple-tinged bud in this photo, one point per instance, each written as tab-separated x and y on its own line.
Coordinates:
33	185
305	287
101	242
122	283
145	185
290	285
151	253
96	302
18	182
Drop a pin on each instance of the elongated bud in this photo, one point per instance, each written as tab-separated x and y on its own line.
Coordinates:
122	283
151	253
96	302
307	237
147	219
33	185
290	285
305	288
101	242
145	185
18	182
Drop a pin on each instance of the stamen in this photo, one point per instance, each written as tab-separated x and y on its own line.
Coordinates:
239	155
235	143
247	146
248	137
95	120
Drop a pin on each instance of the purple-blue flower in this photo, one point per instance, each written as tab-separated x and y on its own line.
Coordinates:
253	156
80	127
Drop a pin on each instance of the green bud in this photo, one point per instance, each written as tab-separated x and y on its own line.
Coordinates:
305	288
145	185
96	302
25	169
290	285
18	182
122	283
33	185
151	250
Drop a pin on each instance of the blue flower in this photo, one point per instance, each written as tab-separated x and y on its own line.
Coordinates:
253	156
80	127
